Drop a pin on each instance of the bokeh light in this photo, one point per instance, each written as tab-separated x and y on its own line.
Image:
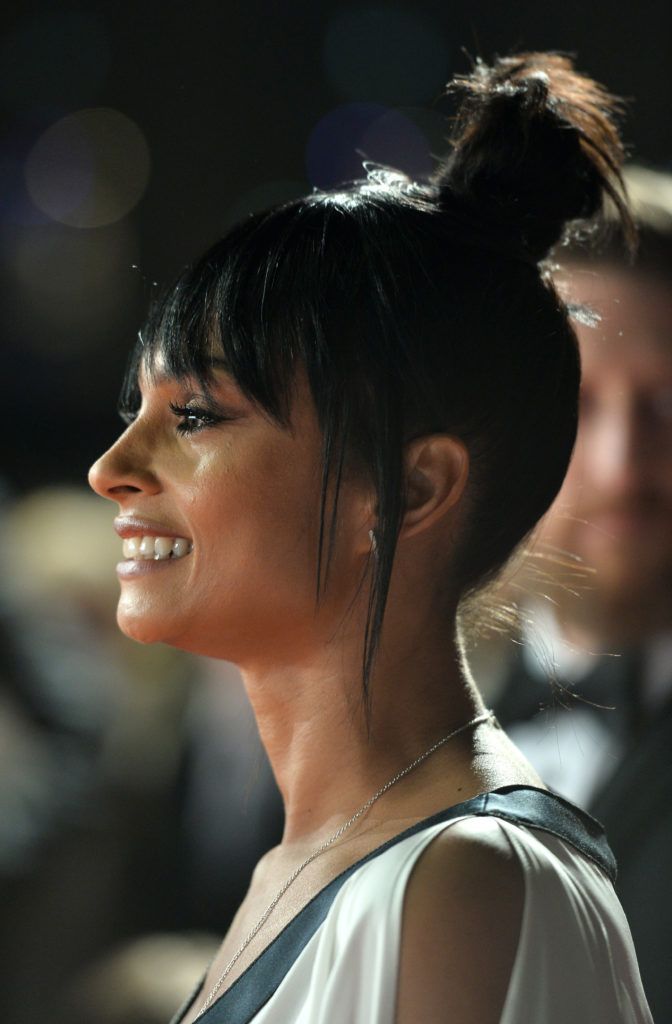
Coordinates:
434	126
347	136
15	206
89	168
55	61
391	55
66	519
396	141
73	286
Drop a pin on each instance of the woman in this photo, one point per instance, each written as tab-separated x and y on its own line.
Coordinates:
342	421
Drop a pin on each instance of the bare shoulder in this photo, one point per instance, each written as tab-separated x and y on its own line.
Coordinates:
462	915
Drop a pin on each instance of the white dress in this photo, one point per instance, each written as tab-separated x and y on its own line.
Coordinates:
575	960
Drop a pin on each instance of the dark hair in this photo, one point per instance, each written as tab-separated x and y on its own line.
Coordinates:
650	199
418	308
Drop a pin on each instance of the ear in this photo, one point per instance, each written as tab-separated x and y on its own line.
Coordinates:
436	470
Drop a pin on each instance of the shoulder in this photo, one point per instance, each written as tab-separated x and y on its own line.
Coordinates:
461	923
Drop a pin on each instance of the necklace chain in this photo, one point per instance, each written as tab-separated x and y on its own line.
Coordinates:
325	846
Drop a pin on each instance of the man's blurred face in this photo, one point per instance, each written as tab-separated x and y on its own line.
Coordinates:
615	507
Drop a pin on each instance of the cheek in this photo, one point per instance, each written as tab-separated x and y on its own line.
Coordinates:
270	510
257	533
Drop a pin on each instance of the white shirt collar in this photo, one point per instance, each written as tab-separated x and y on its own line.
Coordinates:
544	646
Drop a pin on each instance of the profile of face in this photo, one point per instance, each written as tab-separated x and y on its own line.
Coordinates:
225	503
615	507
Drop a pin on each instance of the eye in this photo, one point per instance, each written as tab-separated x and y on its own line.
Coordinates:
194	418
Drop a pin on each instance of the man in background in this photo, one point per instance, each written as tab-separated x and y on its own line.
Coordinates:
586	690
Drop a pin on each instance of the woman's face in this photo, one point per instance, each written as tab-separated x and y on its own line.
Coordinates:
211	475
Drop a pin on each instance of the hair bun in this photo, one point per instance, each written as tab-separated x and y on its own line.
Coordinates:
535	150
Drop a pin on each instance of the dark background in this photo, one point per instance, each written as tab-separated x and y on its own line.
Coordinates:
239	105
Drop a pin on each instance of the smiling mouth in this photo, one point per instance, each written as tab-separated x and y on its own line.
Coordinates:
155	549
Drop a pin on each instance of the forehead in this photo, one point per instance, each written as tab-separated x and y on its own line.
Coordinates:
634	335
153	368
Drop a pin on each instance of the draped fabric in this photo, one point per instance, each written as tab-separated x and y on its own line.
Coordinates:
337	961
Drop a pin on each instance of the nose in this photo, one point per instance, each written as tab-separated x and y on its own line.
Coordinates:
616	449
123	470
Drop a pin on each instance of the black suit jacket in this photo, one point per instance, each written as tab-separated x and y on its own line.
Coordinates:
634	804
636	809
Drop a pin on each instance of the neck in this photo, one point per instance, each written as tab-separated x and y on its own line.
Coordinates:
327	754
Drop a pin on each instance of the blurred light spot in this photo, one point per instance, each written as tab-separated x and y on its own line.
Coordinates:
15	206
88	169
124	981
56	60
344	138
66	519
433	125
389	54
396	141
263	197
331	153
60	169
77	284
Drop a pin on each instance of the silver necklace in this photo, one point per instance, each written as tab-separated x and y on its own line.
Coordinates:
325	846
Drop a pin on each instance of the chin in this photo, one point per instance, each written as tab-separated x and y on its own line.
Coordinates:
140	631
143	627
156	628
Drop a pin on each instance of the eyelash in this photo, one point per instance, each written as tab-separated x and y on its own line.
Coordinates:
193	412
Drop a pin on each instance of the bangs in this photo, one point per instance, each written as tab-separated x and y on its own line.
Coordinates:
235	309
285	287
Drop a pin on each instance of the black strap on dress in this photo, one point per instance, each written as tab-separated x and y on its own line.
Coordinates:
520	805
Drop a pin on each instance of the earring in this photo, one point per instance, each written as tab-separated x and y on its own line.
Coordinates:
374	542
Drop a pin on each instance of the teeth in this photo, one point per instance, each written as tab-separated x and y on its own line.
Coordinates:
131	546
157	549
180	547
147	547
162	547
